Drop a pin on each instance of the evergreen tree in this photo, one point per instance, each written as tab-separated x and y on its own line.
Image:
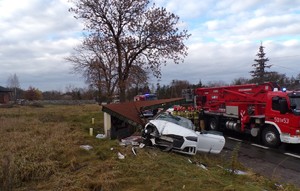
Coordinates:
259	73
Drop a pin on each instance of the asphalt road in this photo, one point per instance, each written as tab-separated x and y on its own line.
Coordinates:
277	164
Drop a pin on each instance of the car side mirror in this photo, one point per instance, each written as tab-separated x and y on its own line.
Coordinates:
293	106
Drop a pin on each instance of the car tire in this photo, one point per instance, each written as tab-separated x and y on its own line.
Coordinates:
270	137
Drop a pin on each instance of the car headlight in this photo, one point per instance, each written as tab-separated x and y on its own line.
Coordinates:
190	138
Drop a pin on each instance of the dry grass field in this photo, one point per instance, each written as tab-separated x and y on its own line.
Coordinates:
40	150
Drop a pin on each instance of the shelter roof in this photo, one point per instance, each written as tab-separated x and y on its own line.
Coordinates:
131	111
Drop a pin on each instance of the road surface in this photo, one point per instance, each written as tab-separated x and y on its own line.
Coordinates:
280	165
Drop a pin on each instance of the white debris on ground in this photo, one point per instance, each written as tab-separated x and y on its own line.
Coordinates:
142	145
200	165
121	156
133	151
86	147
100	136
132	140
237	172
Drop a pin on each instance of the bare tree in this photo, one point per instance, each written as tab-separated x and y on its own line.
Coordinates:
97	64
33	94
13	84
131	33
240	81
138	78
217	83
177	86
277	77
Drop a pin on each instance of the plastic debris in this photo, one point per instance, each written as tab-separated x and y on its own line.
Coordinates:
198	164
132	140
237	172
100	136
121	156
279	186
133	151
202	166
142	145
86	147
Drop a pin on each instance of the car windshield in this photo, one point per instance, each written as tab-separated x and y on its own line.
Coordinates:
184	122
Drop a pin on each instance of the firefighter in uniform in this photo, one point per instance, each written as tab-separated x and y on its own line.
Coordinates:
196	118
187	113
182	111
175	112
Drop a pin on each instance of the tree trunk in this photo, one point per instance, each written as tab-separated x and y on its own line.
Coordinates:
122	93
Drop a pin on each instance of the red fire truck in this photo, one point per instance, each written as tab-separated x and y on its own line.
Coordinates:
263	111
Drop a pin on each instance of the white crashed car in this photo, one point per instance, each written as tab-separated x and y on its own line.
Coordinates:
178	134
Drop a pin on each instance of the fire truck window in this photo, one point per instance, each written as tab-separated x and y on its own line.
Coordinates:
275	103
203	99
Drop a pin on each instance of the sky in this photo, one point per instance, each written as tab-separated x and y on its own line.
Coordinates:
37	35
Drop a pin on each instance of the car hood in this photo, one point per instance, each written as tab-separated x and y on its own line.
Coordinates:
168	128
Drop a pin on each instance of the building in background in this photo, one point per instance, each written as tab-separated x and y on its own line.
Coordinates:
4	95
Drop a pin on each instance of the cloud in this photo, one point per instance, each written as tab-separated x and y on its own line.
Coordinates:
187	10
36	36
228	61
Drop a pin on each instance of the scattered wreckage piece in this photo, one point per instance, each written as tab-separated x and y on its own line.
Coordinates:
100	136
133	151
234	171
133	140
121	156
86	147
200	165
178	134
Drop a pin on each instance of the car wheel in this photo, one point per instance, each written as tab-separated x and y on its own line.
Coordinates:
213	123
270	137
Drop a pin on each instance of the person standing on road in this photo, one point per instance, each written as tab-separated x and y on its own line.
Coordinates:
201	119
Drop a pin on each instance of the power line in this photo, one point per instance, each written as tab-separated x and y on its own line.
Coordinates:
282	67
286	56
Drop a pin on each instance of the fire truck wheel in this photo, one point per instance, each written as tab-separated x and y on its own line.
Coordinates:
270	137
213	123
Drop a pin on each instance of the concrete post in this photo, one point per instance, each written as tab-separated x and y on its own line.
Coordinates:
107	125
